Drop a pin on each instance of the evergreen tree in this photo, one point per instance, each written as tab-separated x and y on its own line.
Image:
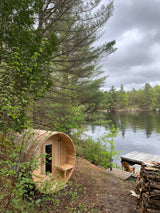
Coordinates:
76	77
112	99
157	96
122	98
146	99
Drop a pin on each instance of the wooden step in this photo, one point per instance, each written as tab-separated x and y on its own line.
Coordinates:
119	173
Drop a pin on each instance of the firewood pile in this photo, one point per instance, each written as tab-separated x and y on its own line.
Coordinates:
147	187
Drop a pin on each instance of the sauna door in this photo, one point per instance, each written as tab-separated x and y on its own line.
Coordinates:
47	162
48	159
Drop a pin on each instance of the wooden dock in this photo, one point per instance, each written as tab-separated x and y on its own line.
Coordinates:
138	157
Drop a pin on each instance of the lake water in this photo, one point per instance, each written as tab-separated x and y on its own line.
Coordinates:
138	131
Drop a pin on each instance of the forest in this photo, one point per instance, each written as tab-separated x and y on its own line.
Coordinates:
147	98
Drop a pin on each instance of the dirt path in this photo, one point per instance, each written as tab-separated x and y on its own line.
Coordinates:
92	190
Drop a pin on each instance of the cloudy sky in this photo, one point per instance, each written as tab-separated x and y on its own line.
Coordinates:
135	25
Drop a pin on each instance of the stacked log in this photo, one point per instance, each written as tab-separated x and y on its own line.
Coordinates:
147	187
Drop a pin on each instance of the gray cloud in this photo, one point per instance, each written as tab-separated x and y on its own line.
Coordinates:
130	14
135	27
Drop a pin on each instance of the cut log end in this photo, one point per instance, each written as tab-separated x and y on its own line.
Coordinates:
147	187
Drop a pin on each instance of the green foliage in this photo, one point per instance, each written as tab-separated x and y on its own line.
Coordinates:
42	44
58	112
14	176
122	98
18	20
101	152
110	100
68	121
19	86
145	99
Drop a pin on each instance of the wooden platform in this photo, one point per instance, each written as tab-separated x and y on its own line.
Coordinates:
119	173
139	157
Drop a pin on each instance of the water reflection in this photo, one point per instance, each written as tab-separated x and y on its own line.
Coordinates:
146	121
139	131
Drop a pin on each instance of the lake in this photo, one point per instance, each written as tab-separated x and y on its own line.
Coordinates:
138	131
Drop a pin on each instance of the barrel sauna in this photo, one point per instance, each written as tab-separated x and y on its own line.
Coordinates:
55	155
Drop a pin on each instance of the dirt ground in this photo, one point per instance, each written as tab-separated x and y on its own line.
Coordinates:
92	190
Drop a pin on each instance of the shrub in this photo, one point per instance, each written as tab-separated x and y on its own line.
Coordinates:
102	151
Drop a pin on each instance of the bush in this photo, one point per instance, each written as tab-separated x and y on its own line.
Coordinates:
101	152
96	153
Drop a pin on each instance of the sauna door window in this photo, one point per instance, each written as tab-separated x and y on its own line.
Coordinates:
48	162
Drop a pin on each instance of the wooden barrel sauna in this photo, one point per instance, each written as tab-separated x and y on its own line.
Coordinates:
56	156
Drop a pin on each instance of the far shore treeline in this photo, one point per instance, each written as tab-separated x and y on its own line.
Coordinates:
147	98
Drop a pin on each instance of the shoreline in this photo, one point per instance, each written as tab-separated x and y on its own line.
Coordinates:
131	110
